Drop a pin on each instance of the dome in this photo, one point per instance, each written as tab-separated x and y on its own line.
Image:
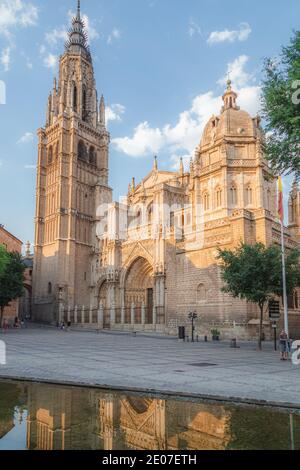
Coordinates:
231	122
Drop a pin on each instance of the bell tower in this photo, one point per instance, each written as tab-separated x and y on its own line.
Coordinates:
72	181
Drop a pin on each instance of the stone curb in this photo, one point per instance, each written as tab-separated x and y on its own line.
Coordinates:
162	393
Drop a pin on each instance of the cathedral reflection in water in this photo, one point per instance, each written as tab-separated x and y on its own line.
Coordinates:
62	418
92	419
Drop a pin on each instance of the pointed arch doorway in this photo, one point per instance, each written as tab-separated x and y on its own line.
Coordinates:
139	288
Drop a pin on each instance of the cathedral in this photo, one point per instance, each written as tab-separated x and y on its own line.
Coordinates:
144	263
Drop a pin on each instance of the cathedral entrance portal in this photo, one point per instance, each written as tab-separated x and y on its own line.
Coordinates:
104	302
139	286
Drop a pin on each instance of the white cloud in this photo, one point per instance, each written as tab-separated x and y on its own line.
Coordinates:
30	167
114	36
56	35
50	61
226	35
194	28
29	64
5	59
91	30
175	161
16	13
236	71
115	112
183	137
144	141
26	138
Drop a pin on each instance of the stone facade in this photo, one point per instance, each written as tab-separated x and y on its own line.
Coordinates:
150	259
11	244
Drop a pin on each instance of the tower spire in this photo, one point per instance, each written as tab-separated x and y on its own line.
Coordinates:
77	42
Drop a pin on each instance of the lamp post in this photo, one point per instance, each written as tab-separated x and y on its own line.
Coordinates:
193	316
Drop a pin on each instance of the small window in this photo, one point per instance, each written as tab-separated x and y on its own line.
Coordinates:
74	97
82	152
50	155
233	196
84	104
206	201
92	156
219	197
249	195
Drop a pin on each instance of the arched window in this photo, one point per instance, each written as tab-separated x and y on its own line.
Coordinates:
150	214
290	301
172	219
50	155
249	195
233	195
75	100
84	104
56	152
206	201
92	156
201	293
81	151
218	197
49	288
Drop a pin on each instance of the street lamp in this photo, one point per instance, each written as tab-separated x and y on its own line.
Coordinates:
193	316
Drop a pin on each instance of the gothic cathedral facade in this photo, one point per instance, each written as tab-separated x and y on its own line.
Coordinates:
148	261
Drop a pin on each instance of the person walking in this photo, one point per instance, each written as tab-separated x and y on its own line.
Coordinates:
283	346
5	325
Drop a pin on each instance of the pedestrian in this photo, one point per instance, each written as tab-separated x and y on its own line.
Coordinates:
283	346
5	325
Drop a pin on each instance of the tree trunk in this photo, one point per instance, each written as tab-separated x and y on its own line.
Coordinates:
261	306
1	315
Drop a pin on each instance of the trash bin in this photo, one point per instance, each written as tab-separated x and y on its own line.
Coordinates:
181	332
233	343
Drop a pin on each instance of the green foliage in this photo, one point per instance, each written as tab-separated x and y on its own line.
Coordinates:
215	332
254	273
281	109
11	280
3	258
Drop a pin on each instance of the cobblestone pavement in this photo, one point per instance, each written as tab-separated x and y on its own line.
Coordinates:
151	363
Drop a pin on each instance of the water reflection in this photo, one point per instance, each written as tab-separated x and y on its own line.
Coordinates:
74	418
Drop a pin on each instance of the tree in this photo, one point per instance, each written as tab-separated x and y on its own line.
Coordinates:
3	258
254	273
11	281
281	109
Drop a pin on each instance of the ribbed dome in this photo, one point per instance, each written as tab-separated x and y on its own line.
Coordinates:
231	122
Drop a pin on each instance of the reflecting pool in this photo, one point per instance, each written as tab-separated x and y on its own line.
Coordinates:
48	417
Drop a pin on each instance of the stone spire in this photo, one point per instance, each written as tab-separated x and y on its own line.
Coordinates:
181	167
102	112
77	42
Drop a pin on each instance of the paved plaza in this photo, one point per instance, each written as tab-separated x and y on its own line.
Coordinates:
154	363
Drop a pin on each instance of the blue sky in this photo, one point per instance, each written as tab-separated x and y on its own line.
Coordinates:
161	65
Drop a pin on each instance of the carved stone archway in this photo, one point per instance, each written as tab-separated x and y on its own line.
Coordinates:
139	286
